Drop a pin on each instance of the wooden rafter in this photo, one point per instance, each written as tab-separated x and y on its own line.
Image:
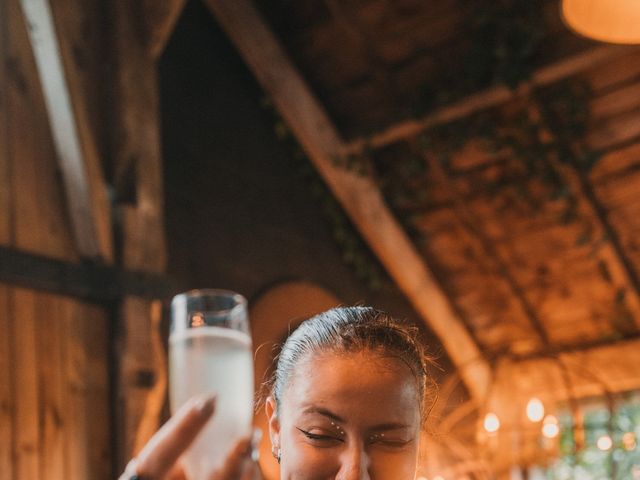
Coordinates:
159	18
489	252
594	371
491	97
78	159
623	276
359	196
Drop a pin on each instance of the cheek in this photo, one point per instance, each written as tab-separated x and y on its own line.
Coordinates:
303	462
396	466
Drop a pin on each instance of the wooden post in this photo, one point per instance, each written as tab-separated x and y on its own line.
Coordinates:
6	386
51	347
358	195
136	147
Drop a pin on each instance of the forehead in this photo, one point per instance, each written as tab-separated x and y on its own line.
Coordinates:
362	387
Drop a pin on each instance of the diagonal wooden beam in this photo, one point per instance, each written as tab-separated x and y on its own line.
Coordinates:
159	18
491	97
358	195
78	160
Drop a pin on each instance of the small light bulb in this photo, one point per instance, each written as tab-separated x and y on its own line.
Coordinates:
491	423
535	410
550	430
604	443
629	441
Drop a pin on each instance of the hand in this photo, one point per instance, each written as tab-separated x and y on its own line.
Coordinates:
160	457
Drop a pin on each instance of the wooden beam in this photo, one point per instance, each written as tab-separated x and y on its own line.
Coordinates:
359	195
86	281
491	97
159	17
136	146
623	275
489	253
594	371
77	154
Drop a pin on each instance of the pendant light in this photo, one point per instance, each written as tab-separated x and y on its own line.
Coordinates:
612	21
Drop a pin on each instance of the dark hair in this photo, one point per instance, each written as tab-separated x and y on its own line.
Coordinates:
350	330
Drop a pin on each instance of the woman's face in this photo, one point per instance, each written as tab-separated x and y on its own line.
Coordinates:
348	417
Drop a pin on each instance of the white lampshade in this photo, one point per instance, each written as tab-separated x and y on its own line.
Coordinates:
613	21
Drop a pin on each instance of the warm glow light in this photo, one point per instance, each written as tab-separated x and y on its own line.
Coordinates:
491	423
438	477
629	441
535	410
614	21
550	428
604	442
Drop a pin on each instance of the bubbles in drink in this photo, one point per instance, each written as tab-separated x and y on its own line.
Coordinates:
213	360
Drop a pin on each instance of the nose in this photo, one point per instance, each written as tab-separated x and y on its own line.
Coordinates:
354	464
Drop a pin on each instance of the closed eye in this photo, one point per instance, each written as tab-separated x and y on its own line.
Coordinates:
392	443
319	438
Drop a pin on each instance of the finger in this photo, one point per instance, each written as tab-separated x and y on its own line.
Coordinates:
249	470
176	473
235	461
129	471
159	456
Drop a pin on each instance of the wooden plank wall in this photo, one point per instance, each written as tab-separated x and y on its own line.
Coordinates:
54	394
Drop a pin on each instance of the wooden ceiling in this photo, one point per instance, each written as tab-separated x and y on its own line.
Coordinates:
520	278
480	243
500	261
375	62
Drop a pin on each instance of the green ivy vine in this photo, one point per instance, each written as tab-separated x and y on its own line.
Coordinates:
355	253
503	45
504	39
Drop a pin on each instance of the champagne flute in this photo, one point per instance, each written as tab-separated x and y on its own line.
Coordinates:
210	352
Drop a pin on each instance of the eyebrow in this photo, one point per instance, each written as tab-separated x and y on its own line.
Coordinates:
390	426
377	428
324	412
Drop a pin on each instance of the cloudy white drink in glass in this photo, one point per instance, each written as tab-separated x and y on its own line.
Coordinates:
210	352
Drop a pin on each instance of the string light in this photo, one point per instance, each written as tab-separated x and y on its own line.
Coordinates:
491	423
629	441
535	410
550	428
604	443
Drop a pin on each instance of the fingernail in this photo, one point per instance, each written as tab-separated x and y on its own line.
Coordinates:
205	405
255	444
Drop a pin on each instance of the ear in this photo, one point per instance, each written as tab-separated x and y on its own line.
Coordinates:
274	421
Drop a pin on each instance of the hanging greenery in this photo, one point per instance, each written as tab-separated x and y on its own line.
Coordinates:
355	253
536	132
504	38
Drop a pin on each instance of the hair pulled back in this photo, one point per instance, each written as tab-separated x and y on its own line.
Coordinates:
351	330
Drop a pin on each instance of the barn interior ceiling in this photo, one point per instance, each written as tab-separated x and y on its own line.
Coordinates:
504	145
